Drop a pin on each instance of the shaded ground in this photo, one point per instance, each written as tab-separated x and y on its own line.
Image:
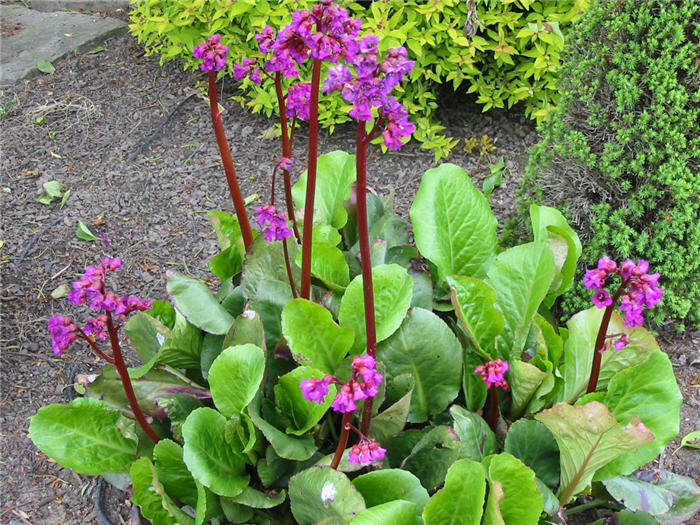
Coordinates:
78	126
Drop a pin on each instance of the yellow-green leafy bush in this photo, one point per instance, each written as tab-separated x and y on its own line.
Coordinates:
505	51
621	154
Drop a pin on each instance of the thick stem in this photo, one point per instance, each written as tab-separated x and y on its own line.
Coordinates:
342	441
126	380
286	152
234	188
365	259
493	407
305	291
290	276
600	340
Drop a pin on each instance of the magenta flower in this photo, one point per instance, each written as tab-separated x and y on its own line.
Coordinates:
63	332
622	341
366	451
97	326
601	298
212	53
248	68
316	389
298	99
493	373
398	126
273	222
285	163
344	400
595	278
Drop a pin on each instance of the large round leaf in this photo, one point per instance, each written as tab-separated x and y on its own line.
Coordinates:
235	377
324	495
393	290
461	500
425	347
520	502
303	413
172	472
533	444
195	301
83	436
328	264
208	456
313	336
397	512
453	224
382	486
149	494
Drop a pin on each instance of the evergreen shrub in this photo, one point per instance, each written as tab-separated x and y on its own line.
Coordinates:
620	154
504	51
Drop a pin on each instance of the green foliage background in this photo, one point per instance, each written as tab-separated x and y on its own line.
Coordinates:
621	154
512	55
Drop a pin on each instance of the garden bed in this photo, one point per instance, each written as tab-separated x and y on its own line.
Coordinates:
80	126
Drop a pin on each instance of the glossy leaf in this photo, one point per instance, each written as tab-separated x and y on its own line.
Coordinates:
638	495
287	447
194	300
172	472
246	329
397	512
146	334
334	177
474	303
476	439
520	276
84	436
391	421
650	392
328	264
524	380
265	263
208	456
393	289
520	502
533	444
259	500
183	347
383	486
453	224
235	377
314	338
473	385
212	346
686	497
461	500
304	414
589	438
433	455
150	496
322	491
425	347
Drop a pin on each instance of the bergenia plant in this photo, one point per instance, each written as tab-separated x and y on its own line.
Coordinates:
342	373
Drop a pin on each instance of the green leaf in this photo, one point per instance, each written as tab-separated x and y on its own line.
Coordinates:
227	263
383	486
208	505
639	495
397	512
149	494
579	348
64	199
313	336
461	500
334	177
265	264
589	438
328	264
60	291
212	346
146	334
84	233
53	188
453	224
304	414
433	455
259	500
425	347
195	301
550	226
173	473
524	380
520	276
649	392
689	440
209	457
393	289
474	303
183	347
521	502
686	497
533	444
84	436
323	492
287	447
247	328
235	377
473	385
45	67
391	421
476	439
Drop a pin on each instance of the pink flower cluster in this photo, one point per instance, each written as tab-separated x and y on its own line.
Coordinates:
248	68
212	52
493	373
273	222
639	288
364	384
366	451
91	290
